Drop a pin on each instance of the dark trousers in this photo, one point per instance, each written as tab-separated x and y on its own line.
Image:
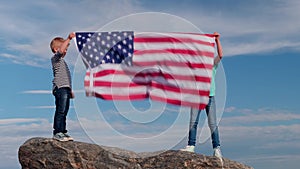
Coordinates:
62	103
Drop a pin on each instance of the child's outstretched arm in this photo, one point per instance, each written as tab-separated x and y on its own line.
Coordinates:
65	44
219	48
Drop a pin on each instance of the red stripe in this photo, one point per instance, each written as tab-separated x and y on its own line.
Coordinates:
178	102
180	90
100	83
144	96
175	51
154	75
170	40
121	97
172	63
155	85
175	77
199	34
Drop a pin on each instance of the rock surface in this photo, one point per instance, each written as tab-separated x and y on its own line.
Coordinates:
39	153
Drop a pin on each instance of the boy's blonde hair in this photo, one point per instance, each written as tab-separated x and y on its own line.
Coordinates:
55	43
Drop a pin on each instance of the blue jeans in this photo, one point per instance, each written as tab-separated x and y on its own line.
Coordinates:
62	102
212	123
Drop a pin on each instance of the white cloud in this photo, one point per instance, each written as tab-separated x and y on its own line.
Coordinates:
37	92
252	27
250	116
258	27
46	91
27	35
261	117
17	120
45	107
41	107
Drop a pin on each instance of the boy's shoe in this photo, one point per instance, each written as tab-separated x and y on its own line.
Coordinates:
217	152
68	137
60	137
189	149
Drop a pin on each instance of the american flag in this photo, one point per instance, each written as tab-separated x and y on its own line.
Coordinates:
171	67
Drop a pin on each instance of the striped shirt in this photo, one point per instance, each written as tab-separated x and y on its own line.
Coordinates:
61	72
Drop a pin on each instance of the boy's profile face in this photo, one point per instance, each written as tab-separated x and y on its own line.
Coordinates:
58	45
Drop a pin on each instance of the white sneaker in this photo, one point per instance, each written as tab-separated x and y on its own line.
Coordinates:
217	152
60	137
189	149
69	138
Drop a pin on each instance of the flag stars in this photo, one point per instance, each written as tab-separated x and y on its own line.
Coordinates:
119	46
103	47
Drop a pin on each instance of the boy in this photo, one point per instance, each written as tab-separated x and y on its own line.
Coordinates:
62	89
210	111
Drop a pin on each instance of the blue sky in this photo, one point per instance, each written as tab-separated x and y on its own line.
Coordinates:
260	124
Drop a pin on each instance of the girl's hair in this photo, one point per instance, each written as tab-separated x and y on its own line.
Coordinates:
55	43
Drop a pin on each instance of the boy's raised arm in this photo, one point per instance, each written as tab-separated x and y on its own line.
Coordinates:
65	44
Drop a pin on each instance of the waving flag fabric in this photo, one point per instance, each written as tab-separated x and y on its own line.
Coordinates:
171	67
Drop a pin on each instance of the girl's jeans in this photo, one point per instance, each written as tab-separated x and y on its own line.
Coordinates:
212	122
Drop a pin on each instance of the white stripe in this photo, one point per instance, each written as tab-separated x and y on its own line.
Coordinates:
184	71
196	99
186	58
119	91
176	83
193	98
184	46
175	35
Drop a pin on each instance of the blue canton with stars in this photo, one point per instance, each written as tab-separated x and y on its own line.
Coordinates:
105	47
